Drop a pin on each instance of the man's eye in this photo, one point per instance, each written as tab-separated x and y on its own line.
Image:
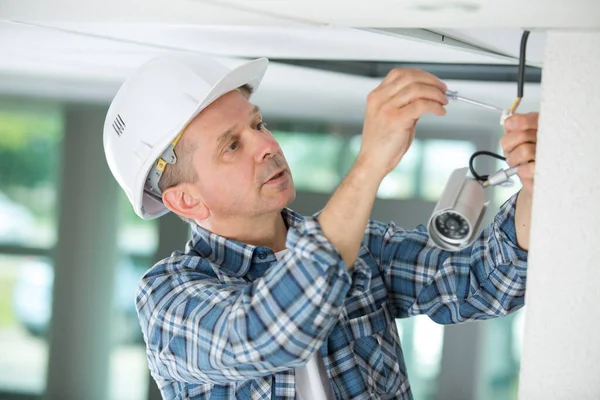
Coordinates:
261	125
233	146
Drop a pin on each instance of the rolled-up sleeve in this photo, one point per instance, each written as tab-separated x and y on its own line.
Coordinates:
484	280
200	330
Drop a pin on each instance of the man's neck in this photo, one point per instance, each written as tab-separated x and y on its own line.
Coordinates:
267	230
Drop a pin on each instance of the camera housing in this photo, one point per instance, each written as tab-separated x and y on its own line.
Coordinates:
456	219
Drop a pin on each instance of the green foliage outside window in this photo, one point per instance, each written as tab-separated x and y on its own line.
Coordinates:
29	147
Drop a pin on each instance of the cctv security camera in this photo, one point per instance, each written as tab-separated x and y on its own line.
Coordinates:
456	219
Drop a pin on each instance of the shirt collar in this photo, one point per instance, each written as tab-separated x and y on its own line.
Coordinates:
232	257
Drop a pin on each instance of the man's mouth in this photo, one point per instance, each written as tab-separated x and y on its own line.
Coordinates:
278	175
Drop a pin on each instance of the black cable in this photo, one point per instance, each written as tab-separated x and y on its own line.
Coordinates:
520	86
521	77
478	177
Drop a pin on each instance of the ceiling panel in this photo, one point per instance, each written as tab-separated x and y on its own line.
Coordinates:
75	60
349	13
33	51
159	11
295	42
434	13
502	40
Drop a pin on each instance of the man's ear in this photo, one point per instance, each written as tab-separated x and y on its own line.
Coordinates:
184	201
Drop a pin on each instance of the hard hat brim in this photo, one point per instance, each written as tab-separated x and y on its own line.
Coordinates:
146	206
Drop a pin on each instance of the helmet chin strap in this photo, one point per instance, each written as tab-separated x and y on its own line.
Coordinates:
168	157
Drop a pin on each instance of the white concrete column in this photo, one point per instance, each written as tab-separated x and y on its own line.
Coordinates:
84	263
561	350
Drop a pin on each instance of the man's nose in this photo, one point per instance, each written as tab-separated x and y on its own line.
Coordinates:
266	145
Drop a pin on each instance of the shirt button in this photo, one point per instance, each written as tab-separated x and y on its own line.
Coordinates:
262	255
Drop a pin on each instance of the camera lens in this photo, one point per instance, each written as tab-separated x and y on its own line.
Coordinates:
452	226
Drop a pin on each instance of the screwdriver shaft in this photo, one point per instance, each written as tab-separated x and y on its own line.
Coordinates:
454	96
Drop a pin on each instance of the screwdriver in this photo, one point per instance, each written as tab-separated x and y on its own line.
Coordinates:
453	95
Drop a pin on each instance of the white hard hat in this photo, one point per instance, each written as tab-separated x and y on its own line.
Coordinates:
153	107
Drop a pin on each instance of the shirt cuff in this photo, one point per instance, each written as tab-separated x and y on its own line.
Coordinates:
308	240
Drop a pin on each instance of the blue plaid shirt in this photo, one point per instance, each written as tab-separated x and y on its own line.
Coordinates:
226	320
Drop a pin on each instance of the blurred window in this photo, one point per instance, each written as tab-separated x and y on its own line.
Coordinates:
25	302
501	357
401	183
30	138
320	161
30	141
136	236
314	159
128	368
422	341
440	158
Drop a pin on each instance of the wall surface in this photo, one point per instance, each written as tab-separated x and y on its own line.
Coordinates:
562	331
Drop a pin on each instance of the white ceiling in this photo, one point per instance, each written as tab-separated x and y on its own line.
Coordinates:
111	49
435	13
83	49
348	13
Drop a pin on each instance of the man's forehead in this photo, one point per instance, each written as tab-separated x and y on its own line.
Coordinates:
233	127
222	111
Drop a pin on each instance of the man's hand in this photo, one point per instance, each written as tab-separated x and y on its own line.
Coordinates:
393	109
519	145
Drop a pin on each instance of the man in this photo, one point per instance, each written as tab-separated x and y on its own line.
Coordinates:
264	303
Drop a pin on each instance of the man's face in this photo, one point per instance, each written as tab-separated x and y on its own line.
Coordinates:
241	169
